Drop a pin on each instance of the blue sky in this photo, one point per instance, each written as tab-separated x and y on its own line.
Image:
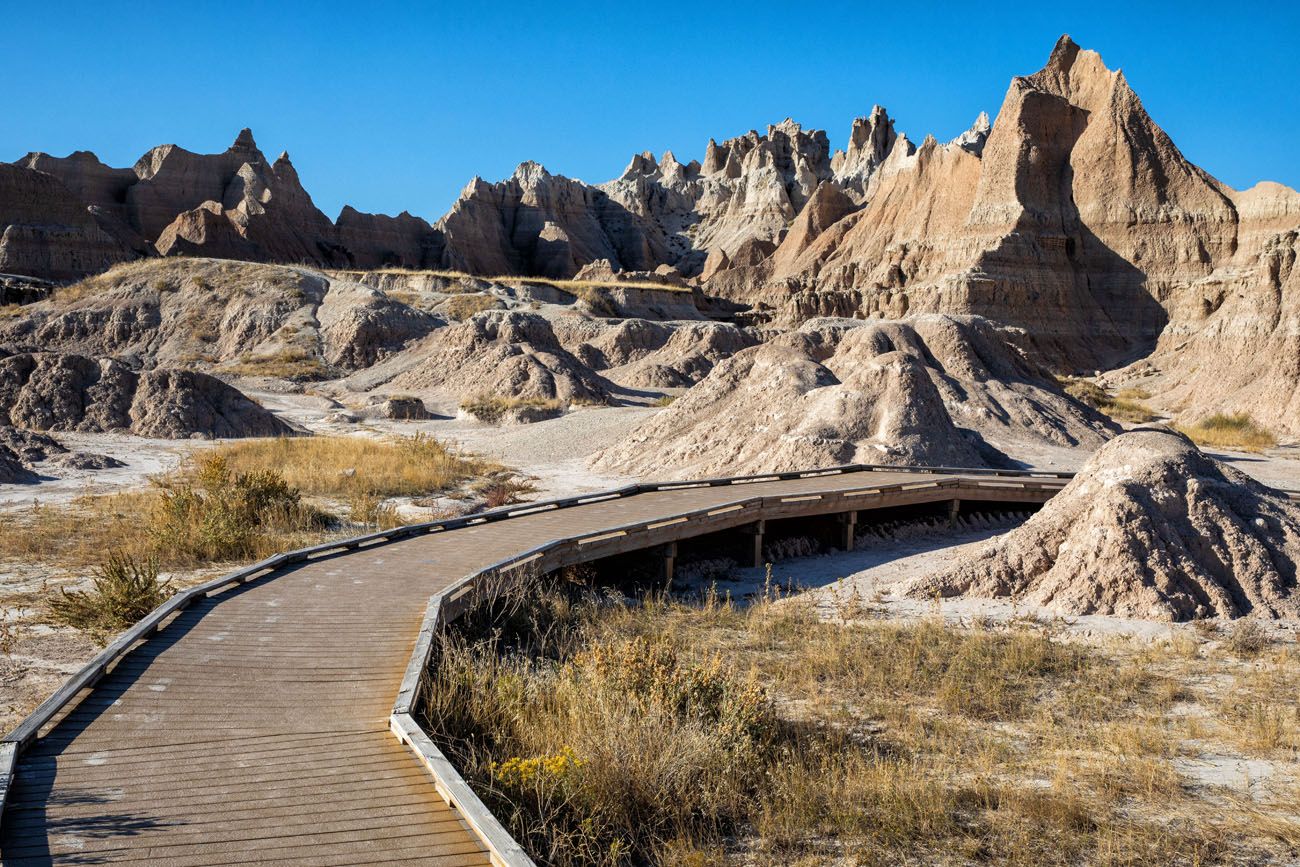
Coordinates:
390	106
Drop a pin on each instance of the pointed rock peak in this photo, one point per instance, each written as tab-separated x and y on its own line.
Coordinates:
244	141
788	126
668	159
972	140
1063	55
282	158
530	172
640	164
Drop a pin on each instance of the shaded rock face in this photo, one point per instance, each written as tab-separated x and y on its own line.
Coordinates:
1237	346
12	471
45	231
66	217
51	391
1150	527
506	354
936	391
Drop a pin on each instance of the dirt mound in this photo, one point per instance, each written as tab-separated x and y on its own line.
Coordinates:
30	446
796	403
1152	528
12	471
53	391
640	353
505	354
937	390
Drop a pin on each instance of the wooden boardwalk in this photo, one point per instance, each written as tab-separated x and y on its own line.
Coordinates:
254	727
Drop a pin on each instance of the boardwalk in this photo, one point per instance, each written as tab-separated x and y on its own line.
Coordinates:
254	727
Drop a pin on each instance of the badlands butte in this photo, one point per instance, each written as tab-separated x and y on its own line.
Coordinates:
1005	299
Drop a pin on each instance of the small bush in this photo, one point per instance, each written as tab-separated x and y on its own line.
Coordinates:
292	363
665	400
221	515
1230	431
1247	638
124	590
504	490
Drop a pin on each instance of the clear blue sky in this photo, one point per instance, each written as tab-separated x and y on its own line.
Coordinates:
391	106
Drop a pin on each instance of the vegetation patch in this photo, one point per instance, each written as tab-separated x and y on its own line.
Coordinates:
246	500
493	408
122	592
462	307
1230	431
292	363
1125	405
666	732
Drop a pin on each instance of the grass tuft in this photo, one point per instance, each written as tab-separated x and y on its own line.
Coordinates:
492	408
1124	406
1230	431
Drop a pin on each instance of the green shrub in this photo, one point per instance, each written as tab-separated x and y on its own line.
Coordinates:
221	515
124	590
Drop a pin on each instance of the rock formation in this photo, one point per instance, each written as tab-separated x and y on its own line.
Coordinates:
45	231
224	315
1151	528
643	354
937	390
1072	216
501	353
52	391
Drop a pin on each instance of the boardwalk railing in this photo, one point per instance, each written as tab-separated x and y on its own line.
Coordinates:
446	606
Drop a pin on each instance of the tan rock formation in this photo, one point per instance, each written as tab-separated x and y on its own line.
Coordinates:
501	353
934	391
790	403
1150	528
221	314
643	354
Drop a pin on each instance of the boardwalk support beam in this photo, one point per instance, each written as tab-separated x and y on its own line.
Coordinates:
754	550
848	529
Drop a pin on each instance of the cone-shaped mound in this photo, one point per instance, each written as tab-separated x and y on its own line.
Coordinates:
1151	527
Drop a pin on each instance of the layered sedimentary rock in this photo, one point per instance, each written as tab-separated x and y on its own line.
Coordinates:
222	315
236	204
504	354
643	354
45	231
543	224
60	392
1150	527
936	390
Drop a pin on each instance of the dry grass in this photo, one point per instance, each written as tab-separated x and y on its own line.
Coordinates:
673	733
1230	431
462	307
1124	406
344	466
492	408
245	500
292	363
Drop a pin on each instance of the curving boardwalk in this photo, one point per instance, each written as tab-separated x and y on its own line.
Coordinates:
254	727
